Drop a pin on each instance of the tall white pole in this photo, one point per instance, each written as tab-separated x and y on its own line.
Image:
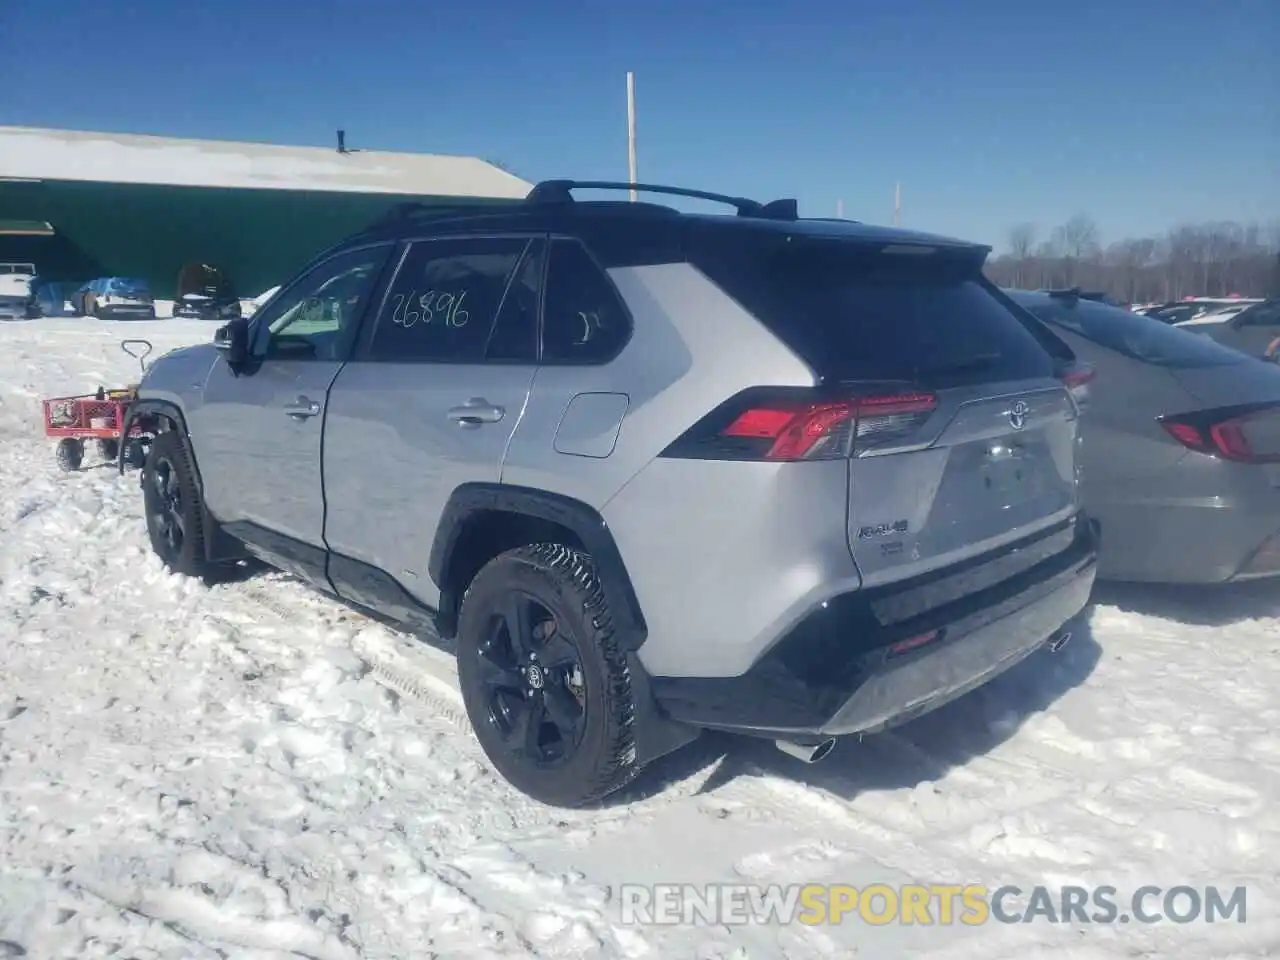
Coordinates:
897	204
631	129
840	209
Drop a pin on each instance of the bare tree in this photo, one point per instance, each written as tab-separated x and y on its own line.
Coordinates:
1022	240
1128	259
1192	259
1078	239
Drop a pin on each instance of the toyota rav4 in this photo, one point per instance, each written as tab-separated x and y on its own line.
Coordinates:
652	472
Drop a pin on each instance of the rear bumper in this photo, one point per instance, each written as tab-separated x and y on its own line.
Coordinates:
836	672
1201	542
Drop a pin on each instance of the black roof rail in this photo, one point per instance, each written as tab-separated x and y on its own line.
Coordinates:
559	191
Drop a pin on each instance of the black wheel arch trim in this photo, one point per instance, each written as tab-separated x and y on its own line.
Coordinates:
163	408
472	499
218	544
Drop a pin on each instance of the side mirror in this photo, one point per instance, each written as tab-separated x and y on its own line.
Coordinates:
232	341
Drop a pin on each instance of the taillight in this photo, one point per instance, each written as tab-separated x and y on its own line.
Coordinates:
1076	379
1244	434
787	424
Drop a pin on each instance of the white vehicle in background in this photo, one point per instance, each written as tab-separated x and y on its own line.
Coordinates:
1218	312
17	299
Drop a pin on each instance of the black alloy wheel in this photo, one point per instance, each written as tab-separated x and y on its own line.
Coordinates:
532	674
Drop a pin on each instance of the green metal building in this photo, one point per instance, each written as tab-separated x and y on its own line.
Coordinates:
144	206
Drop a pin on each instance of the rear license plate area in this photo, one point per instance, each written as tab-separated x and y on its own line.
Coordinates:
1011	477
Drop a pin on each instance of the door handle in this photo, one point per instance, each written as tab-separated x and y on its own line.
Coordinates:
476	411
302	408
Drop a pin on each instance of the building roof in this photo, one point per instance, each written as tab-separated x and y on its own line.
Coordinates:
37	154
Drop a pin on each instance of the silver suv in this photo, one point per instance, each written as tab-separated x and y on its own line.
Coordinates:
653	472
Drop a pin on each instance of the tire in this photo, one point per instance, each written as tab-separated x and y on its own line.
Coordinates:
70	454
108	449
171	498
580	661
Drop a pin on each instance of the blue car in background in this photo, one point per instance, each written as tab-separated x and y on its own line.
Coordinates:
114	298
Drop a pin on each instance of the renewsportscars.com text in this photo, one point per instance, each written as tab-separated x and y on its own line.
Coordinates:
926	904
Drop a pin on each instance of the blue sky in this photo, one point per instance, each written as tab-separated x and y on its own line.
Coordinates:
1140	113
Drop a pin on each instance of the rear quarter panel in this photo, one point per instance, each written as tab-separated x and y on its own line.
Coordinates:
692	347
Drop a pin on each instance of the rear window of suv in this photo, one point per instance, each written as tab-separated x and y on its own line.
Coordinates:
1145	339
855	313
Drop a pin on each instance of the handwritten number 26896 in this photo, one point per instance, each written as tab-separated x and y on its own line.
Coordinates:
434	305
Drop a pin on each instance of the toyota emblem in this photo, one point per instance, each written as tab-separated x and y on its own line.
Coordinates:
1018	414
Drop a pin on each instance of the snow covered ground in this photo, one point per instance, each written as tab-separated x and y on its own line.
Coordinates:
195	773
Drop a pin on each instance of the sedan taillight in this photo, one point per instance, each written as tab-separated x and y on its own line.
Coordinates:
1245	434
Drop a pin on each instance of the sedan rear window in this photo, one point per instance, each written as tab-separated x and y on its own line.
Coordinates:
1140	338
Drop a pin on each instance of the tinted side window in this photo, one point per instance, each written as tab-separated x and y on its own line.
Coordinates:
583	319
317	317
442	305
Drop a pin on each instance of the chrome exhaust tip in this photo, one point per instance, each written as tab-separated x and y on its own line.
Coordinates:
1056	643
807	752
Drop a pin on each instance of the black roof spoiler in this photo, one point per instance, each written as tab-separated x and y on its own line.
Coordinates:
560	192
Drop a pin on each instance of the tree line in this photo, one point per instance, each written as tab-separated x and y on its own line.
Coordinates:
1192	260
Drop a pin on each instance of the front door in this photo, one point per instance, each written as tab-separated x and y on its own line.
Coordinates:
258	431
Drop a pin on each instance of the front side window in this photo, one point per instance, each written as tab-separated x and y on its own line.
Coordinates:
317	317
445	299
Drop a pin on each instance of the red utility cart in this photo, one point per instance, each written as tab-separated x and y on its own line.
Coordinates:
98	416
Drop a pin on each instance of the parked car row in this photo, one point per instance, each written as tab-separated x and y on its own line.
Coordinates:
24	296
1252	330
1192	308
204	292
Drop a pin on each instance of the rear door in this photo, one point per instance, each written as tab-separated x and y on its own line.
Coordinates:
429	401
979	447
